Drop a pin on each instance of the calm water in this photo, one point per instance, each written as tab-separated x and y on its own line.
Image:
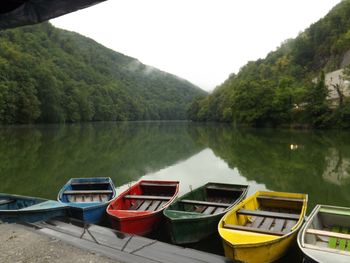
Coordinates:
38	160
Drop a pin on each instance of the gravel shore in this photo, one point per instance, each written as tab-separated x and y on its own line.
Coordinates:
22	245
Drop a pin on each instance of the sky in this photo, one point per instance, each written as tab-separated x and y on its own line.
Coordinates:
203	41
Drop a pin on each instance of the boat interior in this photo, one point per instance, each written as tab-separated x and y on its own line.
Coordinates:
211	199
8	203
147	196
269	215
329	230
88	192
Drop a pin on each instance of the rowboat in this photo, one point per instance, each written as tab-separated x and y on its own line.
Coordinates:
262	227
87	198
196	214
16	208
139	209
325	236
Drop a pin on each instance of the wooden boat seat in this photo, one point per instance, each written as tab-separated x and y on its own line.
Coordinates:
148	197
254	229
204	203
268	214
335	238
227	189
6	201
80	192
264	197
160	185
90	183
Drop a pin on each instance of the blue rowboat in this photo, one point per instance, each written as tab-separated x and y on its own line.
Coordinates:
17	208
87	198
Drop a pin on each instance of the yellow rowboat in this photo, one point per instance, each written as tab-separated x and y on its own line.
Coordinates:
262	227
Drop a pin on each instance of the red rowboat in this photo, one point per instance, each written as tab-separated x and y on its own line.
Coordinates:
138	209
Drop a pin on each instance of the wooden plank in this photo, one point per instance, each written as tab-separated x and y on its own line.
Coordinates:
87	245
342	242
219	210
197	202
90	183
289	225
79	192
161	185
327	233
277	198
148	197
209	210
253	229
162	204
332	242
266	225
279	223
136	205
154	205
199	208
226	189
144	206
257	221
327	249
6	201
268	214
78	198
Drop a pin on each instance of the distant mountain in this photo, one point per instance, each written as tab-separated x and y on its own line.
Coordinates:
52	75
288	86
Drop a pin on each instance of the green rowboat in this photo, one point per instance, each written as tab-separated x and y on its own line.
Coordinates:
196	214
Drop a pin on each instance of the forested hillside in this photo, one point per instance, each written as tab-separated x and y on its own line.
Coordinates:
51	75
279	90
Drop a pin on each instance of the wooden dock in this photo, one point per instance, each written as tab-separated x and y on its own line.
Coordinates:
120	246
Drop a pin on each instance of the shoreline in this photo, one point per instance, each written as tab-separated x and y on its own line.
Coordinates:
21	244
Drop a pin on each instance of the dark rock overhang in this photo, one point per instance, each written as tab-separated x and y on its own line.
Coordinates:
14	13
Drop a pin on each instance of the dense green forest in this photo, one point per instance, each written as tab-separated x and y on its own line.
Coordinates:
279	90
52	75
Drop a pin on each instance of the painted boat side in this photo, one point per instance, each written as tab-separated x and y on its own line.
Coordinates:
186	227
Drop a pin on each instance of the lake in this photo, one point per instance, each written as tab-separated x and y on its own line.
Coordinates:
37	160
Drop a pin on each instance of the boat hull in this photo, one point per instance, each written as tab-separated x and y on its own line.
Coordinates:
29	209
262	243
186	226
138	225
92	214
31	217
317	249
265	252
191	230
139	209
87	198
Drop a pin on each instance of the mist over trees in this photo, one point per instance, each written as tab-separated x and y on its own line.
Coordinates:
51	75
287	87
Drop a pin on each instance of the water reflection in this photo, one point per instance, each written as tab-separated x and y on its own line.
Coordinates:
38	160
319	165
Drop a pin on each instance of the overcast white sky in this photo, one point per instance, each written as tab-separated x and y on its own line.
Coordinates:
202	41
